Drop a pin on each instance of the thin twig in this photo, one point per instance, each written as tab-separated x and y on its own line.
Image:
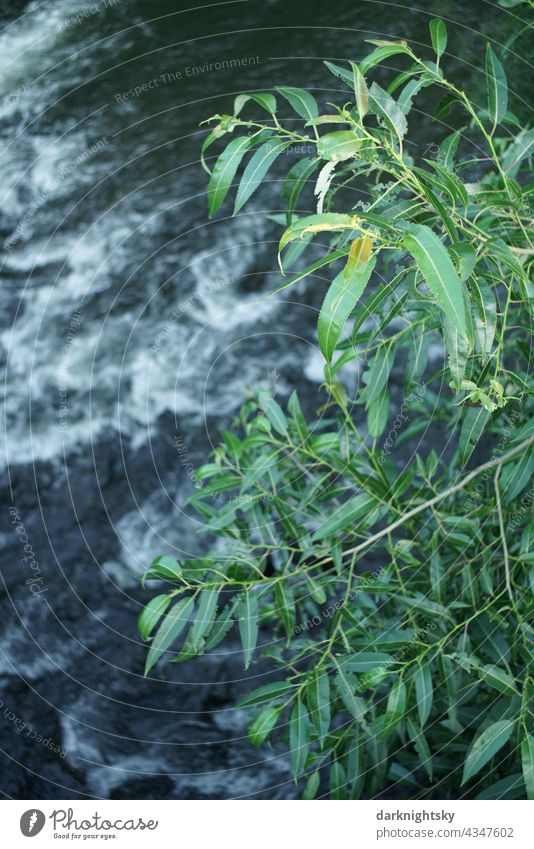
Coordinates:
491	464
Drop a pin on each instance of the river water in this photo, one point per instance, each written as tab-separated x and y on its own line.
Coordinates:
130	324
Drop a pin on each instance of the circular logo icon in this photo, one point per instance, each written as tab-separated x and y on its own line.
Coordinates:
32	822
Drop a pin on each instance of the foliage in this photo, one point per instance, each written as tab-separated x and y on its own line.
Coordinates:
393	589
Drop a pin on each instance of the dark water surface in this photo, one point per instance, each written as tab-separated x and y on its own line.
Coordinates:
129	321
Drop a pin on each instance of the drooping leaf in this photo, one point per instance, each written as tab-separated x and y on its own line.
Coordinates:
248	624
264	99
151	614
299	737
439	273
171	627
497	87
424	692
485	314
297	177
318	700
381	53
225	170
382	104
274	412
474	425
378	374
485	746
343	294
205	615
256	170
457	350
302	101
340	72
338	781
421	746
377	414
527	760
264	724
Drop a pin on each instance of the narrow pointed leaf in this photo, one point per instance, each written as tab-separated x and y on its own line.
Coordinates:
424	692
497	87
299	737
436	266
171	627
302	101
343	294
205	615
438	34
485	746
256	170
248	625
224	172
263	725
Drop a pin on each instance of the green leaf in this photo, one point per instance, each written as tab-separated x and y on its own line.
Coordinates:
365	661
256	170
248	624
223	624
396	707
349	514
312	786
474	424
267	693
527	760
378	374
518	150
346	686
173	624
341	73
437	268
274	412
323	222
205	615
338	781
498	679
225	170
285	607
302	101
448	148
325	260
264	724
338	146
383	105
318	699
343	294
485	314
457	350
382	53
485	746
438	34
421	746
150	615
297	177
424	692
299	737
377	414
264	99
497	87
361	92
